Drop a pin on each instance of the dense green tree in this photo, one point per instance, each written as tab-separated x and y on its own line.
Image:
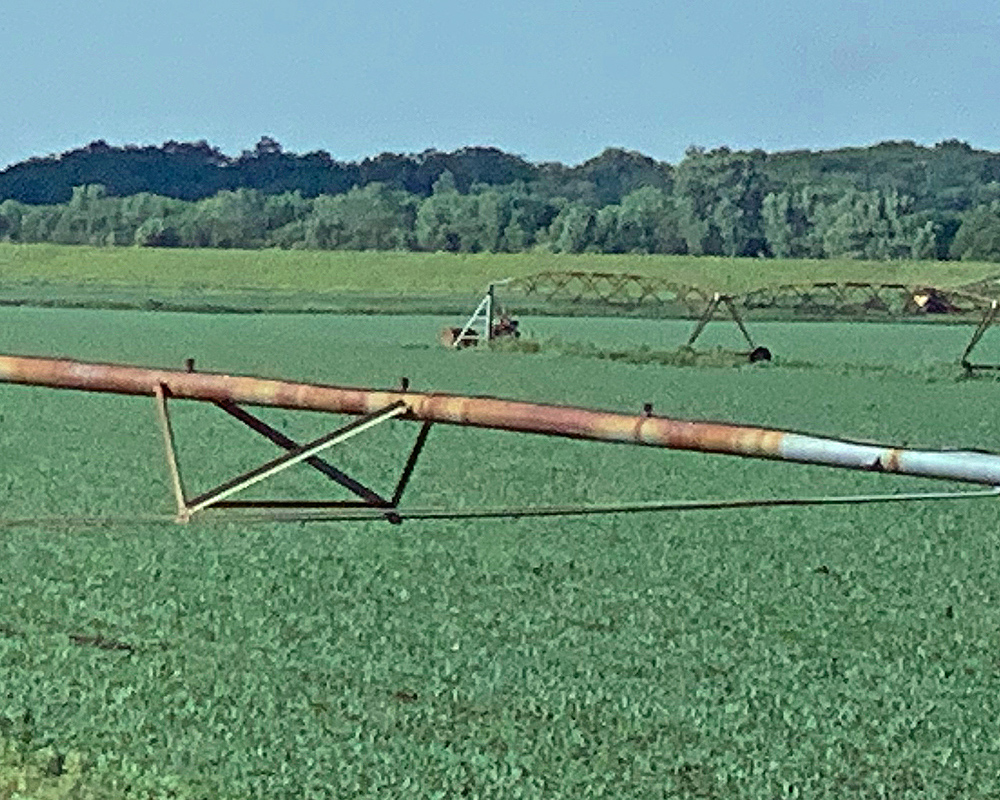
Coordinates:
228	219
156	232
525	217
869	225
373	218
468	223
649	222
573	229
978	238
720	196
438	219
90	217
10	220
789	218
646	221
892	200
37	223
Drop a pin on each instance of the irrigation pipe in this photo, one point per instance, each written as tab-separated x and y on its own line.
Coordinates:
968	466
370	406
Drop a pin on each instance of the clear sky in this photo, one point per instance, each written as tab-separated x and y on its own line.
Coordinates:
550	80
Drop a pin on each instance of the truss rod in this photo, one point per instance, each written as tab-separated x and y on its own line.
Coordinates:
411	463
337	476
528	512
294	456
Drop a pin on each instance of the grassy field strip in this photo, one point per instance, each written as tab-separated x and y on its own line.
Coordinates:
428	274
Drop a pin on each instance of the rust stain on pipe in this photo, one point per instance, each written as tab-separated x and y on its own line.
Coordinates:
512	415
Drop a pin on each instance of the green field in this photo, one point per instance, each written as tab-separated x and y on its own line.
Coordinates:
798	652
384	281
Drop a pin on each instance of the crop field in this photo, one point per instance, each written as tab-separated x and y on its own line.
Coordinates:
385	281
813	652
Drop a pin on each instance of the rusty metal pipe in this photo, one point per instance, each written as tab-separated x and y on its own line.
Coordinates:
512	415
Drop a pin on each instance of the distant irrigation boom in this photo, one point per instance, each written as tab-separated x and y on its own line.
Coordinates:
372	406
811	300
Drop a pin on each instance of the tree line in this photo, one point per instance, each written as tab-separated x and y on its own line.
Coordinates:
896	200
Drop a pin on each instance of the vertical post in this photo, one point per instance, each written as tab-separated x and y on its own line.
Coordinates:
489	312
160	399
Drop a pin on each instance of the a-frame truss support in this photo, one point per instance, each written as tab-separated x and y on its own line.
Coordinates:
756	352
295	453
988	319
483	315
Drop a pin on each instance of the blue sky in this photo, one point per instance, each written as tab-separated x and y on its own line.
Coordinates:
552	81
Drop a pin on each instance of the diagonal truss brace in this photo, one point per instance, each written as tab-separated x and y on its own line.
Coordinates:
295	453
317	463
988	319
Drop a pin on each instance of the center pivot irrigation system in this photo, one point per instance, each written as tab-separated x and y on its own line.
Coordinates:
491	321
821	300
371	407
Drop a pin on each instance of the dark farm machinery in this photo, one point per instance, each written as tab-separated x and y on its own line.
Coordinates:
236	394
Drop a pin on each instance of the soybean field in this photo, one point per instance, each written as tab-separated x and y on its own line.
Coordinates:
849	651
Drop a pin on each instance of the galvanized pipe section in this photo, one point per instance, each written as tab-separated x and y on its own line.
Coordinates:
488	412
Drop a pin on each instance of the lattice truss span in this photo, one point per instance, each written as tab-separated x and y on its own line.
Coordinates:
611	288
818	299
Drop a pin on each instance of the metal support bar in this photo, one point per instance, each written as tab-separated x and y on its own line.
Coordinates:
745	441
411	462
988	318
488	314
522	512
317	463
485	311
705	317
294	456
738	320
470	325
160	394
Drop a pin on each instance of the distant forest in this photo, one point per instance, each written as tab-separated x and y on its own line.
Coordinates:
894	200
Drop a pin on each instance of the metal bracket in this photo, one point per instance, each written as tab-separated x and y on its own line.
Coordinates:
296	453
